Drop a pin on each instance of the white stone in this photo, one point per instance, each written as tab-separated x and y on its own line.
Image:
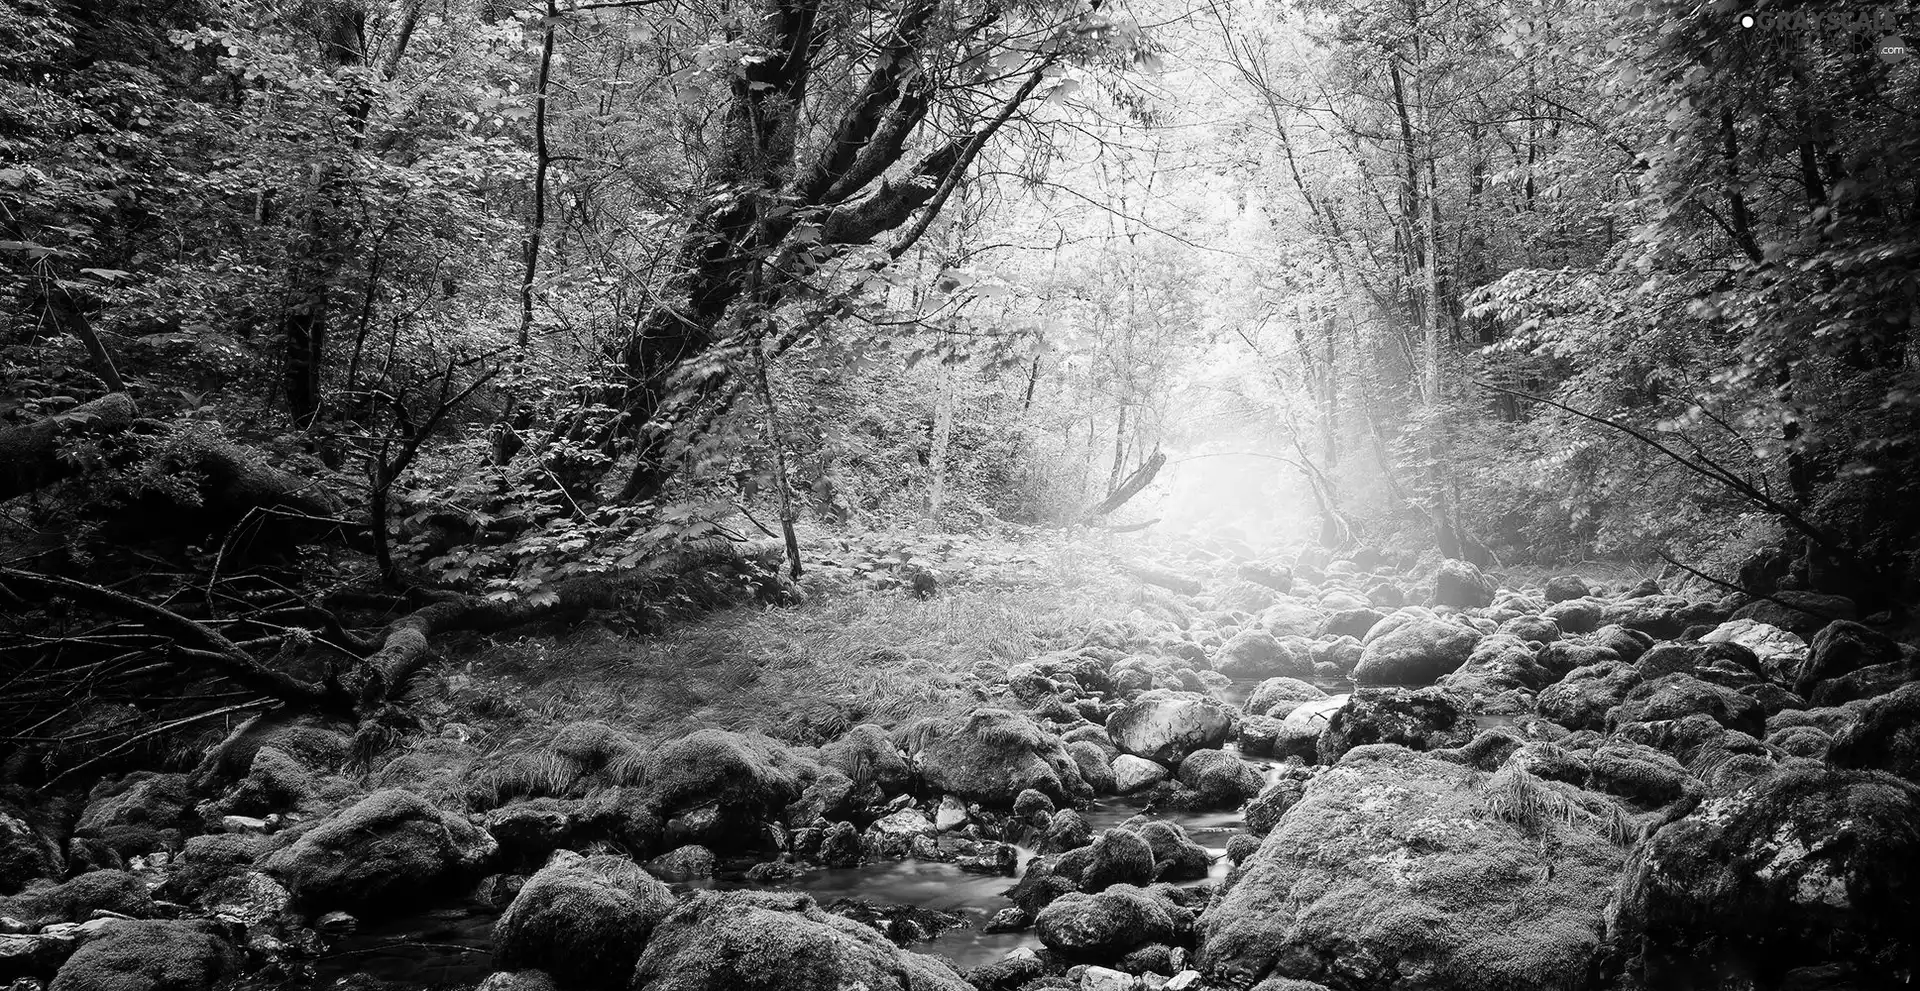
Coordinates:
951	815
906	823
1312	717
1130	773
1103	979
1183	979
1780	652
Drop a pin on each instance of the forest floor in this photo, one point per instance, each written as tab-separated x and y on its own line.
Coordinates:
852	651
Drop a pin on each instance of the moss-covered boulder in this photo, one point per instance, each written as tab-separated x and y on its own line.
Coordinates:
1176	857
1096	766
1461	585
390	851
1426	719
867	755
582	919
1801	613
149	956
1676	696
991	756
1255	653
1809	878
135	814
1841	648
720	786
1219	779
1413	647
76	899
1883	735
1398	870
1499	663
1104	926
26	854
1276	697
768	941
1117	857
1582	699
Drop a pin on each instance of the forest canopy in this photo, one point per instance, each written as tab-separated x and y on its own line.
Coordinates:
499	305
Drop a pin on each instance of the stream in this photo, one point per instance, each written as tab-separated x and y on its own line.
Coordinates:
450	947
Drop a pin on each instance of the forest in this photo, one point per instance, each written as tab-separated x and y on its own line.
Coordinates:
959	495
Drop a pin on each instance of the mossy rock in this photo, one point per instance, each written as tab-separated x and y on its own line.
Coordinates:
75	900
1398	870
388	852
768	941
991	756
149	956
582	919
1810	870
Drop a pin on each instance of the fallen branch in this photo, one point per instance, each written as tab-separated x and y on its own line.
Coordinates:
1732	587
1130	527
219	655
1703	467
163	728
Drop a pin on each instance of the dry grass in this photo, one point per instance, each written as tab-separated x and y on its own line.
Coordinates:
803	674
1615	573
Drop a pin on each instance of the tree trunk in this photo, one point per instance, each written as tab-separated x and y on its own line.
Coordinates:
942	436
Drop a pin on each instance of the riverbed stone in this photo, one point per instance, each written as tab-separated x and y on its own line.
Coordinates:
777	941
1780	651
25	854
1676	696
892	836
1276	697
1219	778
390	850
1582	699
1881	734
1409	648
1423	719
1106	925
1255	653
1096	766
1397	866
1461	585
1799	612
1839	649
992	755
1131	774
139	955
1810	873
1176	857
582	919
694	861
1165	726
1560	588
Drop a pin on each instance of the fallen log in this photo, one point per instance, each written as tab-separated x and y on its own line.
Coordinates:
1163	578
30	454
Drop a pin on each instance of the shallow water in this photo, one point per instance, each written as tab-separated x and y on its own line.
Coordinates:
445	948
922	884
452	947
